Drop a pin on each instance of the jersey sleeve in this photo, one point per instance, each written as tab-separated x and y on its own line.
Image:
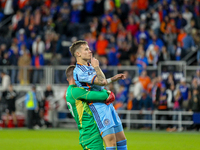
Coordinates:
86	77
83	94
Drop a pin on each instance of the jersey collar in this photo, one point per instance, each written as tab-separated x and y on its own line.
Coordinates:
82	64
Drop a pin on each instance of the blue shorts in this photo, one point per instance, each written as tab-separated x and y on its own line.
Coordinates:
112	130
106	117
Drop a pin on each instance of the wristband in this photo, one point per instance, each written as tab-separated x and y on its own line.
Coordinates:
109	80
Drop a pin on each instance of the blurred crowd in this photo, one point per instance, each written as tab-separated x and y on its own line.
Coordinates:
153	93
121	32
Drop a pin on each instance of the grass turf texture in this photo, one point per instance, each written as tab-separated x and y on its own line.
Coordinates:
61	139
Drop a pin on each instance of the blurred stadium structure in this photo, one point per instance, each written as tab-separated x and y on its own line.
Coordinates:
159	36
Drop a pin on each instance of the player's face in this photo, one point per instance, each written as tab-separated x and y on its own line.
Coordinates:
85	52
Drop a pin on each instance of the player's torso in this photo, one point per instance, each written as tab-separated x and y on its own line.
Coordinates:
90	71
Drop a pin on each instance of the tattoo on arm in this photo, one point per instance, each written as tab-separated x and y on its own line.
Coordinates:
100	75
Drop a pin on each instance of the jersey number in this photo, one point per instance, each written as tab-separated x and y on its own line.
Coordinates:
70	108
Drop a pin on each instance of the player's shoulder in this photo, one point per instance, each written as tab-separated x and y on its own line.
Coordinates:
80	68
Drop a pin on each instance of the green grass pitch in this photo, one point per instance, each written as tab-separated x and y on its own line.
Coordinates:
65	139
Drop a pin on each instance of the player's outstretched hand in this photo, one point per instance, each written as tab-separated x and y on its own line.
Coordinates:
118	77
110	99
94	62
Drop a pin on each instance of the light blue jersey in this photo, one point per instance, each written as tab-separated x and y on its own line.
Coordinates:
84	76
104	115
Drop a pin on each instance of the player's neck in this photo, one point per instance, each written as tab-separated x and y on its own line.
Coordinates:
82	62
72	83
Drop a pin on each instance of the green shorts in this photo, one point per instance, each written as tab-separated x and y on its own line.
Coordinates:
94	143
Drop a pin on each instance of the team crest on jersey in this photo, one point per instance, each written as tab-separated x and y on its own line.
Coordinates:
106	122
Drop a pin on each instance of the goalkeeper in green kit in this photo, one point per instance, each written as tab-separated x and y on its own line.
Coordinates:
77	102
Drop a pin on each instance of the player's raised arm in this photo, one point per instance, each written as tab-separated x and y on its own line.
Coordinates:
101	79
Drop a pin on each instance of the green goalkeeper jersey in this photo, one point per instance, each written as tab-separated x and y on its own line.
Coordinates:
77	101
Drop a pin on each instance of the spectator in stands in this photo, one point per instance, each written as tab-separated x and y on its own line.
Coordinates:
30	41
8	10
171	92
132	26
194	86
187	15
23	50
196	37
156	41
114	24
164	56
182	34
194	103
121	35
170	80
37	62
177	107
142	5
133	103
179	52
141	61
38	46
75	14
144	80
5	60
162	103
142	33
137	88
197	76
124	53
23	62
185	93
196	8
152	54
15	19
163	26
146	104
113	57
188	43
101	45
10	96
121	99
3	50
155	23
127	82
124	10
155	92
14	62
180	22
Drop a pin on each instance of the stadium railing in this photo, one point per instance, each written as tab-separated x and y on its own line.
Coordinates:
153	122
56	74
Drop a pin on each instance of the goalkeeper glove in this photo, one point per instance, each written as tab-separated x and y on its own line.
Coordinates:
110	99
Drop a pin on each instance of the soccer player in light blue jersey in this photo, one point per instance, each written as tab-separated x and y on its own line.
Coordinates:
91	77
